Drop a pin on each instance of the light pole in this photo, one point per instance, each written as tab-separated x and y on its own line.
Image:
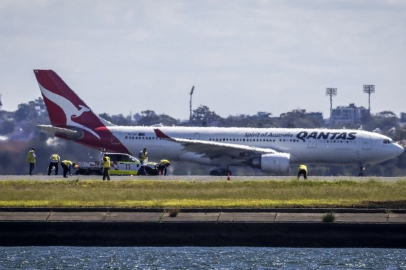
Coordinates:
191	94
331	92
369	89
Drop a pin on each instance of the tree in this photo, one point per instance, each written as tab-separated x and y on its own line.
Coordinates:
105	116
25	111
121	120
7	126
387	114
400	134
403	117
148	118
203	116
384	120
167	120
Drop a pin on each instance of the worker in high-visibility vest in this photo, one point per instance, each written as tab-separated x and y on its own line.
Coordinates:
106	167
162	166
143	157
54	163
302	171
31	159
67	167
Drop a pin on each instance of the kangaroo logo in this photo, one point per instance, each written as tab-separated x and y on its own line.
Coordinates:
69	109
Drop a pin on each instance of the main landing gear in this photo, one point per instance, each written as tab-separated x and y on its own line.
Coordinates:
220	172
361	170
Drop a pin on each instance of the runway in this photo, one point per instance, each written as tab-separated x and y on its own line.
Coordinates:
200	178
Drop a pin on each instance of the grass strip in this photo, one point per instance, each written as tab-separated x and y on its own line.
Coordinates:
195	194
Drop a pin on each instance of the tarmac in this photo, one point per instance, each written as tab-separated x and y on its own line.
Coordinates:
198	178
203	227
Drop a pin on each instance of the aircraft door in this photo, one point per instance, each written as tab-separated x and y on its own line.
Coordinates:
311	143
366	143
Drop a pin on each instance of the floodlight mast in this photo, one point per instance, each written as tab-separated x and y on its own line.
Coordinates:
331	92
191	94
369	89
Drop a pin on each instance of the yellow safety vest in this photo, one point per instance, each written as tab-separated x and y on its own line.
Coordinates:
106	163
55	158
67	162
303	167
31	156
142	156
163	162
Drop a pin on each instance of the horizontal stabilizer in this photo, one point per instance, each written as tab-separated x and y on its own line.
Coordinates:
55	131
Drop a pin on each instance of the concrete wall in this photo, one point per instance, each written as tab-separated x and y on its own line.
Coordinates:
203	234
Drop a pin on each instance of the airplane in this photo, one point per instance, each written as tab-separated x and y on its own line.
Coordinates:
271	150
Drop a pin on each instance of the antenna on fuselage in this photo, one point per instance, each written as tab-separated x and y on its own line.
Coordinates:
191	94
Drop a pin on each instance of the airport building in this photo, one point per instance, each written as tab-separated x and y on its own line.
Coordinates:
351	113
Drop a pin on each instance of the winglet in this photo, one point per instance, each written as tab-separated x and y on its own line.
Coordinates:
160	134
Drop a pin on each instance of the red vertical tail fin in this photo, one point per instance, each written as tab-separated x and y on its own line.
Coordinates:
65	108
71	118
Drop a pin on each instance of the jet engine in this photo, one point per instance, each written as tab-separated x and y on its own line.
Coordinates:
275	162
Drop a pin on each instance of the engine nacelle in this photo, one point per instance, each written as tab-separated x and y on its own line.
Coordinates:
276	162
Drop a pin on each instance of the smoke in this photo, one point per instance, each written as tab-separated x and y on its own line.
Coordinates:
54	142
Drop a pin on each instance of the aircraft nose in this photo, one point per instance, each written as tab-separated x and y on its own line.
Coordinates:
399	149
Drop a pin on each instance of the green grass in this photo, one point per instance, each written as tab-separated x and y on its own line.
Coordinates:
191	194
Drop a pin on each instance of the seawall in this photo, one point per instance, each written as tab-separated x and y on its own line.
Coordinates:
203	227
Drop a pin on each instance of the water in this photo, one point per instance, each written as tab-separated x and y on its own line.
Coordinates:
199	258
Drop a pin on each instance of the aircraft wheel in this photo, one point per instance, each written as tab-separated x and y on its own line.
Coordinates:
220	172
361	170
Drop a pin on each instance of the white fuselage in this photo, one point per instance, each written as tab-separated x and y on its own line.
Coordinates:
308	146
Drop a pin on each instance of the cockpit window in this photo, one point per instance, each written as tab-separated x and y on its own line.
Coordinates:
386	141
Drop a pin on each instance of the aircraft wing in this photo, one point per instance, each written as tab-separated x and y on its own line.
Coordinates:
55	131
213	150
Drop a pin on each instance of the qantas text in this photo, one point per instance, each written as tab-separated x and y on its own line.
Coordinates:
304	135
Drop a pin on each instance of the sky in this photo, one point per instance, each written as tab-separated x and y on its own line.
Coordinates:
243	57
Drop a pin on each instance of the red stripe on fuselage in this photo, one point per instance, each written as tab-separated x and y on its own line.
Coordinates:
109	141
